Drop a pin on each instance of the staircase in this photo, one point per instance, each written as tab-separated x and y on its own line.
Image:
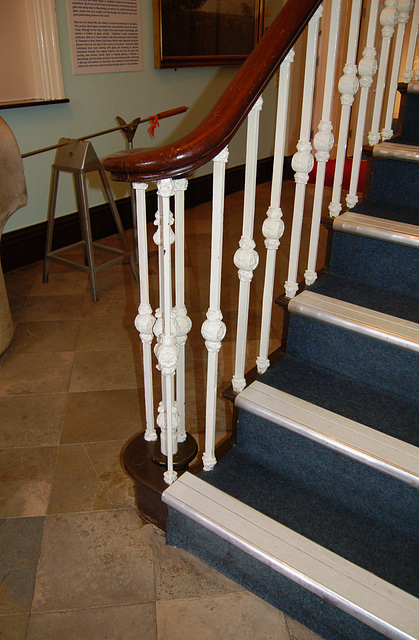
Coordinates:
315	507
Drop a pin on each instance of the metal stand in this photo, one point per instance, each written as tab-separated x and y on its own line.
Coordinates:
79	158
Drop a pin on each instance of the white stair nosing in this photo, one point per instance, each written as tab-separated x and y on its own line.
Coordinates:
396	151
413	86
376	449
378	228
374	324
392	226
356	591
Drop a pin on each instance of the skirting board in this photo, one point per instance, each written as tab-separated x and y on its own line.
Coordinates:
27	245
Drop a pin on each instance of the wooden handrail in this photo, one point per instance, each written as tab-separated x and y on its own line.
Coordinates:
182	157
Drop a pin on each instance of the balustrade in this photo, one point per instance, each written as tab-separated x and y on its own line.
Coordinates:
170	323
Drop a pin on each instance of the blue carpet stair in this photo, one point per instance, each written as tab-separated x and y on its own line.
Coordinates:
315	509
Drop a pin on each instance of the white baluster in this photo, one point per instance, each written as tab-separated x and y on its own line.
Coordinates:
367	68
184	323
273	226
404	7
167	350
213	329
348	86
409	73
303	161
323	142
145	320
246	259
388	20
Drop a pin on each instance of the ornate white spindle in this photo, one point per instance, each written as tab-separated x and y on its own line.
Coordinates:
183	321
323	142
213	329
388	20
303	161
246	259
167	350
145	320
367	68
348	86
409	73
404	7
273	226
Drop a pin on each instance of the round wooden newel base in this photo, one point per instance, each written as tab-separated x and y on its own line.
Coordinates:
145	464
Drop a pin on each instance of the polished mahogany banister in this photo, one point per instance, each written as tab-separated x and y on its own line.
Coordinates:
180	158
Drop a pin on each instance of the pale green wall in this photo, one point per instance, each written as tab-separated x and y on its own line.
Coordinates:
95	99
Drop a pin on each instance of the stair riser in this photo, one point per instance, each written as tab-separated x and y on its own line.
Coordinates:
395	181
375	262
410	126
280	591
360	357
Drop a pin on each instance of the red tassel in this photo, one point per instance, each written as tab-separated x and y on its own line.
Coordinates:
154	123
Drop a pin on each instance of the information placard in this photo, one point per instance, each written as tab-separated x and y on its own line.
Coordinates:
105	35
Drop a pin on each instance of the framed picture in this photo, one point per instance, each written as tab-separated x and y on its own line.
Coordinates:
196	33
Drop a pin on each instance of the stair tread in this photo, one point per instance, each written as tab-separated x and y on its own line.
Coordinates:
369	296
365	596
380	228
352	438
400	332
376	408
395	181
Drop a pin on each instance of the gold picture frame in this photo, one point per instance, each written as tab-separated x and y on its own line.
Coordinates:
204	33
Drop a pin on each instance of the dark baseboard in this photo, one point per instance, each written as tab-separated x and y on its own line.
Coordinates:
26	246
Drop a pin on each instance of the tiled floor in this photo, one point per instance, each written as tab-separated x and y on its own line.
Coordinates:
76	560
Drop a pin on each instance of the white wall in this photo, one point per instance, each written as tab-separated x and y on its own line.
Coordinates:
95	99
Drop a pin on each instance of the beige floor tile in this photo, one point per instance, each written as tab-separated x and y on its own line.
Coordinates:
197	578
298	631
94	560
13	627
96	416
198	221
35	373
107	333
26	477
76	484
106	458
71	282
199	250
31	420
111	303
228	616
97	370
53	336
130	622
115	278
58	307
